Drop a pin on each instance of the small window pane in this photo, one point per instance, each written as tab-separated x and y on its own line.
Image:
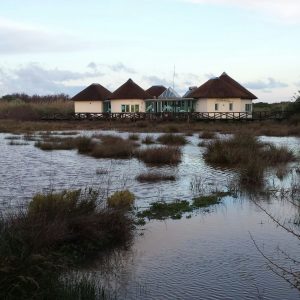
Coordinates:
216	106
137	108
123	108
230	106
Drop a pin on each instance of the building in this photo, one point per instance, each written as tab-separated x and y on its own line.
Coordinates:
91	99
219	94
128	98
222	94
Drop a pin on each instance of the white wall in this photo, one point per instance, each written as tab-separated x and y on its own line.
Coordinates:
88	106
208	105
116	104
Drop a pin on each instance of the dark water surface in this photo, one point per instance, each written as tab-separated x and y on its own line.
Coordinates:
210	256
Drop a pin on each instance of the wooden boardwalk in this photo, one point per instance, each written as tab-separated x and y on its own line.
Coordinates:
180	116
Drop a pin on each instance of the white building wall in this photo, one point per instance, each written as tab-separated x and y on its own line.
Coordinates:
88	106
116	104
208	105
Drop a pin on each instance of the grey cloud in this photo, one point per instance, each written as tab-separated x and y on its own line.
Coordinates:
155	80
118	67
33	79
270	83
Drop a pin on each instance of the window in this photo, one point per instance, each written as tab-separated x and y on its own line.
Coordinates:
248	107
132	108
124	108
230	106
216	106
137	108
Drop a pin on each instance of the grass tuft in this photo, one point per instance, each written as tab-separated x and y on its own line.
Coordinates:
159	155
172	139
154	177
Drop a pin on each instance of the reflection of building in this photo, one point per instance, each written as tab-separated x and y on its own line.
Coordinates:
220	94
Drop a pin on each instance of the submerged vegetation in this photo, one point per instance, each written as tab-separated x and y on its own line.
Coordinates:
55	234
162	210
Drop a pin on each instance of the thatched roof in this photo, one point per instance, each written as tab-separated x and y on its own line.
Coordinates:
228	79
94	92
156	90
130	90
222	87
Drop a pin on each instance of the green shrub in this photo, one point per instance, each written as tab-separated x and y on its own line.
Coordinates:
121	199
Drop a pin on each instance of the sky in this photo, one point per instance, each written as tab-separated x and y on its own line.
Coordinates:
49	47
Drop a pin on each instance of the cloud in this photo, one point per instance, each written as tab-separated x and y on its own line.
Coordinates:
118	67
19	38
285	9
34	79
267	85
155	80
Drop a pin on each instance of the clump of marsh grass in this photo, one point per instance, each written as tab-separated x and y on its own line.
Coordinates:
58	230
133	137
56	143
207	135
12	137
17	143
148	140
113	147
121	199
172	139
155	177
248	155
159	155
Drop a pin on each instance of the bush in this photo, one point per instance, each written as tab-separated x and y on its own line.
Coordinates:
172	139
121	199
133	137
159	155
57	230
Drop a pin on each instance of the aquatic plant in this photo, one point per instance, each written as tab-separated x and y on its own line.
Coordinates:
207	135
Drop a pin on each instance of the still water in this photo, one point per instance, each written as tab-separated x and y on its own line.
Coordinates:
210	256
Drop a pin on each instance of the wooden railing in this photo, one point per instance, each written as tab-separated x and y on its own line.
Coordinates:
185	116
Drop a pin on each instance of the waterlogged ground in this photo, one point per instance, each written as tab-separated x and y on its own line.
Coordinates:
208	256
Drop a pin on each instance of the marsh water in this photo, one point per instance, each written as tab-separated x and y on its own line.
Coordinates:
208	256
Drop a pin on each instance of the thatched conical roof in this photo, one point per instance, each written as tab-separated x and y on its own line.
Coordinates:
156	90
93	92
222	87
130	90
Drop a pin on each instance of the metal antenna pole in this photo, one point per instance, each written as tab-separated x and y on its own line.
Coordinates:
174	78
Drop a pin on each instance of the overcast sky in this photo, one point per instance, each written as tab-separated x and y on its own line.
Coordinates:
62	46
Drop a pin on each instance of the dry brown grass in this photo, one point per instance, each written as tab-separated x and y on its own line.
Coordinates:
19	110
155	177
247	154
160	155
269	128
172	139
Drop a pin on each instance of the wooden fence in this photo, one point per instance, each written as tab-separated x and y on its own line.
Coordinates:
174	116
